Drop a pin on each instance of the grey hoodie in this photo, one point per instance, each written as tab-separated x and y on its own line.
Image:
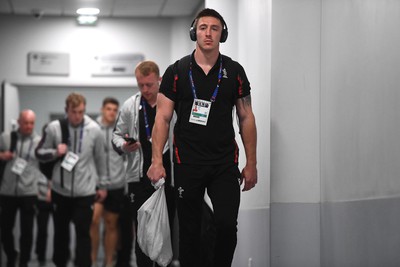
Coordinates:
115	164
128	123
26	184
87	142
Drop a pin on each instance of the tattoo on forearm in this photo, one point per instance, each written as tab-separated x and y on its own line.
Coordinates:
246	101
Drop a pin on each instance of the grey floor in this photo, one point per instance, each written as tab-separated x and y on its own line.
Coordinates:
34	262
49	263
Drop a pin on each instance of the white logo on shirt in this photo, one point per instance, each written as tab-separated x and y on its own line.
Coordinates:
180	190
224	73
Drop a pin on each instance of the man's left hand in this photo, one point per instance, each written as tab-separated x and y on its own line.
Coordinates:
101	195
249	176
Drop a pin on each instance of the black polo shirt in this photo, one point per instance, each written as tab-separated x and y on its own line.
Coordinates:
214	143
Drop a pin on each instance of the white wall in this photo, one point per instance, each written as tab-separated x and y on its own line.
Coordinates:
295	115
295	133
334	130
20	35
181	44
360	128
360	99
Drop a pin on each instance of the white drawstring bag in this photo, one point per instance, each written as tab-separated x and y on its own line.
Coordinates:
154	236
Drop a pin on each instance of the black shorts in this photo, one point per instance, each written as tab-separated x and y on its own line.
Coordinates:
114	199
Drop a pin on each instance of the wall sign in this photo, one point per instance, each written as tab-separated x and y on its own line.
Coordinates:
116	64
43	63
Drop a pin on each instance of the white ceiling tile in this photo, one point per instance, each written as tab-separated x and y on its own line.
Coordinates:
138	8
27	7
181	7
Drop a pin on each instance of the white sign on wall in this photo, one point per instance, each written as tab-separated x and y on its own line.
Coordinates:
116	64
43	63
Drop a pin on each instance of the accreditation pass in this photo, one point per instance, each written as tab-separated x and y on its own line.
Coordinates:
200	112
69	161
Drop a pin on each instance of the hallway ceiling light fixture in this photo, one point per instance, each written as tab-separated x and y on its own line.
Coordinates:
86	20
87	16
88	11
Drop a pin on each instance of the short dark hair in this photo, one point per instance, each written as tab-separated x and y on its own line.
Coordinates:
110	100
208	12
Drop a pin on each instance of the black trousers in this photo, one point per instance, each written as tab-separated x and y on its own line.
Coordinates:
125	223
223	188
9	207
141	192
44	209
79	211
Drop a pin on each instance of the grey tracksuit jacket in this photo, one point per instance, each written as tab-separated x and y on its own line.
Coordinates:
115	166
87	141
28	183
128	123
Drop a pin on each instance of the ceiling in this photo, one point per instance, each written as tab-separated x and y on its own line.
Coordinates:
108	8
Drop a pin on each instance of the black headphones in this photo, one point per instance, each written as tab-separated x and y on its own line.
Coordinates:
224	33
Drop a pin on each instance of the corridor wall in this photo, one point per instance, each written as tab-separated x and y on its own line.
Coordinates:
334	129
360	126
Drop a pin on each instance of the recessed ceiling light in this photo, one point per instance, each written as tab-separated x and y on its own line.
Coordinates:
86	20
88	11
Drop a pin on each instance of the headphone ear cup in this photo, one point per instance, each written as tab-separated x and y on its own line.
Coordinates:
192	34
224	35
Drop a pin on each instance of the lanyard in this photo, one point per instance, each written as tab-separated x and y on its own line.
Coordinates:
146	119
214	96
80	139
28	156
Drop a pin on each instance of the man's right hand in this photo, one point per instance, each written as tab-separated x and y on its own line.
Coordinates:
7	155
62	150
156	172
129	147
